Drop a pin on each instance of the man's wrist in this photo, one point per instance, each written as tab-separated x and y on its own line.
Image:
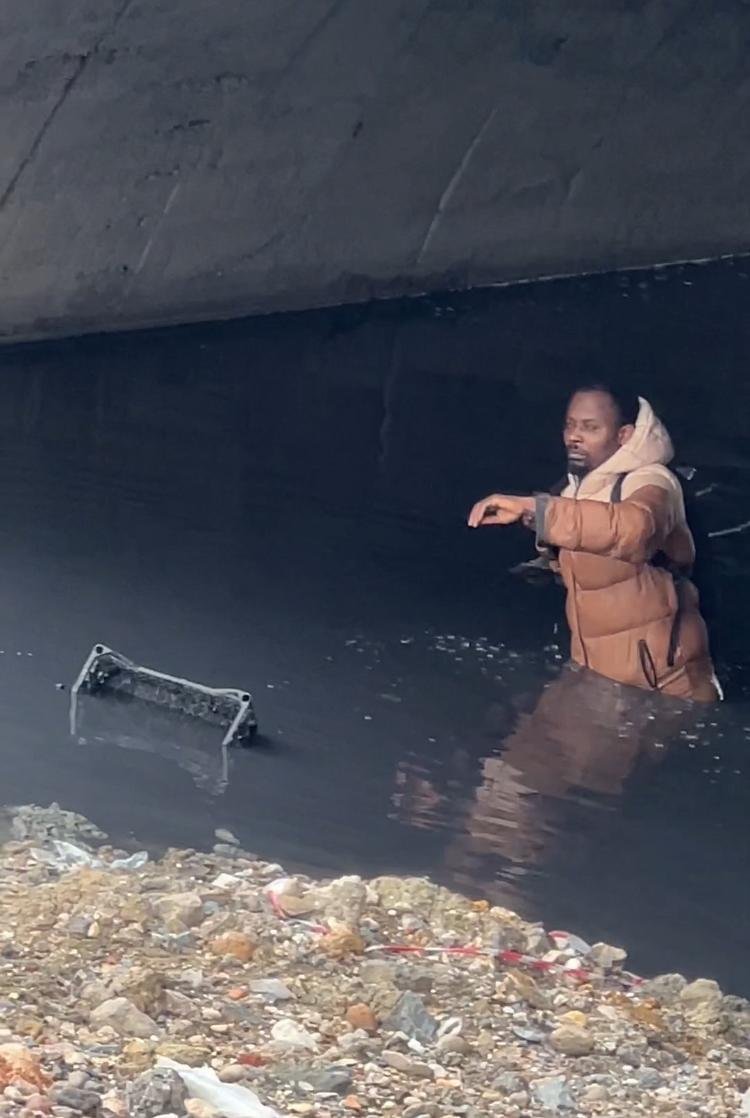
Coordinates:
529	511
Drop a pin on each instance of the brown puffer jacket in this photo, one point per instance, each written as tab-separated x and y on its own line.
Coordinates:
620	607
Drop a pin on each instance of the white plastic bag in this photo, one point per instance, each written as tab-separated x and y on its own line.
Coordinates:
66	856
230	1099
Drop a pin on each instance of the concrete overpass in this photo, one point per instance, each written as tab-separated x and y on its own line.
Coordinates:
170	160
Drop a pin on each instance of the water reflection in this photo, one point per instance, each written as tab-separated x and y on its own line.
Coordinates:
117	722
560	781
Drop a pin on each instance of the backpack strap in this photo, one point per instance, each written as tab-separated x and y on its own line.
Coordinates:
616	495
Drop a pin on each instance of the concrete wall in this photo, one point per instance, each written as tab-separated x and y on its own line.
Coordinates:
166	160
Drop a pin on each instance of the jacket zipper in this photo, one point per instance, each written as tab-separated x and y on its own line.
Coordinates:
577	484
578	619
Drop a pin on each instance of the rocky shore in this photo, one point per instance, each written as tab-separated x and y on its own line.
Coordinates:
207	984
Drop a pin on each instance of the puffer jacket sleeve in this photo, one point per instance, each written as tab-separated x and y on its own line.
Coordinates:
632	530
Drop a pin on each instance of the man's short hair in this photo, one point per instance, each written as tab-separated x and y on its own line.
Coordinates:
626	403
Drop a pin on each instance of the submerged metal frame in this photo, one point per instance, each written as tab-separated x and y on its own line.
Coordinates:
242	727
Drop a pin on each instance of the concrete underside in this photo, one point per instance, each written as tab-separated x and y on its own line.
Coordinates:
172	160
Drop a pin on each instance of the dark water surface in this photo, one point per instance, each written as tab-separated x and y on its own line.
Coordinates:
278	505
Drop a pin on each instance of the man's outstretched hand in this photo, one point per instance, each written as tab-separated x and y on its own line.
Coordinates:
499	509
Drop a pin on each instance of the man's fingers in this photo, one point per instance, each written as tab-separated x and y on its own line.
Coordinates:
486	512
479	512
495	510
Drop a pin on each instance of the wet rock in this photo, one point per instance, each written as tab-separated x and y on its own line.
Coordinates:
410	1016
158	1091
125	1018
40	824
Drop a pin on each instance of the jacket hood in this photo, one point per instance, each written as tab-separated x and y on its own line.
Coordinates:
650	445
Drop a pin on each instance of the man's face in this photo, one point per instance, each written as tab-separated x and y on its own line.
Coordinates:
593	431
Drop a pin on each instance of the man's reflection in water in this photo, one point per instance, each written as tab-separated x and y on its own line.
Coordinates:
579	747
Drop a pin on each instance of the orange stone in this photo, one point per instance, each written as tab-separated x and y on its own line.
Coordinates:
360	1016
17	1062
236	944
343	944
237	993
251	1060
351	1102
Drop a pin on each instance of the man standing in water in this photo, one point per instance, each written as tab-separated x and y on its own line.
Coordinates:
619	537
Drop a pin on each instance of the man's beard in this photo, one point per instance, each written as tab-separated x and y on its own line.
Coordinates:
578	467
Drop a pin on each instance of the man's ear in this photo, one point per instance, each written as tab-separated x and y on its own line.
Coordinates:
625	434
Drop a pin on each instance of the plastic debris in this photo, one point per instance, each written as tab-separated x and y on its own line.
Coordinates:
230	1099
288	1034
66	856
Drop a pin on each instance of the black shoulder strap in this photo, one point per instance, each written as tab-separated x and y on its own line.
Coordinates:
616	495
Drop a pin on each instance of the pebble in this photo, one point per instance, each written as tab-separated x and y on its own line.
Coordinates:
360	1016
199	1108
233	1073
595	1093
404	1064
606	956
572	1041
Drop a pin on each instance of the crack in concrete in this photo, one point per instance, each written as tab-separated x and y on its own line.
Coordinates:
312	35
453	183
67	88
167	207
